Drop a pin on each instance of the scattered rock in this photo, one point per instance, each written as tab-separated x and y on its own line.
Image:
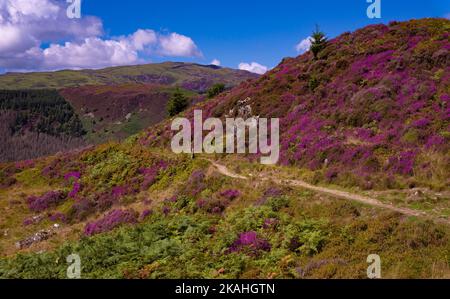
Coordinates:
36	238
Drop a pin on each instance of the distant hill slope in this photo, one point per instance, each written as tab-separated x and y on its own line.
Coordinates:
118	111
375	102
189	76
35	123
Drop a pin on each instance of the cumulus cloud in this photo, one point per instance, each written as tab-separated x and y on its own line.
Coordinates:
304	45
141	38
91	53
253	67
27	25
447	16
216	62
176	44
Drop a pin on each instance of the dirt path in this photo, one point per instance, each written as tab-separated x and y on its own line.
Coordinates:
226	172
337	193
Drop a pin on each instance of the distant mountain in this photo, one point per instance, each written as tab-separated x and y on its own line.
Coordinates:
375	104
194	77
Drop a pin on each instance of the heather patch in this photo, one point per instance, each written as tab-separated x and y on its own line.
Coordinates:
48	200
110	221
250	243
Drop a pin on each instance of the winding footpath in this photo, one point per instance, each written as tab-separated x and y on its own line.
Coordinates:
336	193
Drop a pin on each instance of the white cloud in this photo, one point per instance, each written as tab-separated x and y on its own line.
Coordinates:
36	8
215	62
39	21
27	25
304	45
253	67
176	44
447	16
92	53
142	38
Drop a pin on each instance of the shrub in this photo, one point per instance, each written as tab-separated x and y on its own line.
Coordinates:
214	205
76	175
313	83
250	243
151	174
76	188
215	90
177	103
196	182
46	201
230	194
146	213
277	203
269	193
58	217
111	221
81	209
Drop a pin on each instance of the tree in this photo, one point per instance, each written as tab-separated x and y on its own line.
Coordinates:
318	42
215	90
177	103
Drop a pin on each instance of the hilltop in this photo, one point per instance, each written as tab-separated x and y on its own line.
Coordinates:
189	76
372	107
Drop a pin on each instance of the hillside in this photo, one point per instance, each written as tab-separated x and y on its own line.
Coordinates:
36	123
188	76
374	106
363	170
114	112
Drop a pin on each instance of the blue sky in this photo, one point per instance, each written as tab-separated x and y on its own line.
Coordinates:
35	32
237	31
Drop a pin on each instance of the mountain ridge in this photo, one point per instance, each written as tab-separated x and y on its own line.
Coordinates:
191	76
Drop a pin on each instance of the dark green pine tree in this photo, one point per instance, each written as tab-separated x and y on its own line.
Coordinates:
318	42
177	103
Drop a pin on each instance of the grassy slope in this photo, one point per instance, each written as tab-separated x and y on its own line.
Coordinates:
311	235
